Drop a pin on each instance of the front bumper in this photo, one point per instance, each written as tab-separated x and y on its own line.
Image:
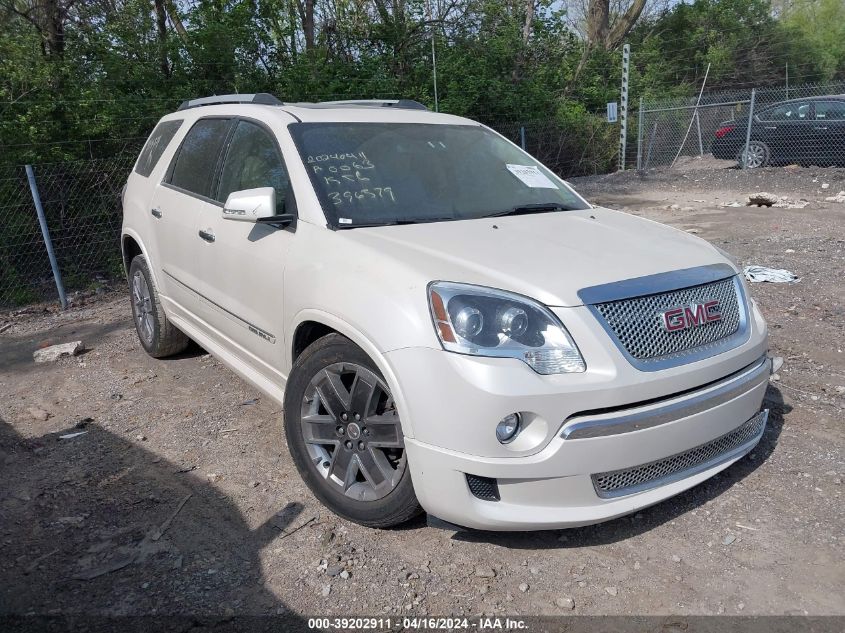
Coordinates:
538	495
609	419
547	502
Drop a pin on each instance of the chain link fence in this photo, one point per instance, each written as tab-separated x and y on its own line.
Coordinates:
81	202
752	128
589	147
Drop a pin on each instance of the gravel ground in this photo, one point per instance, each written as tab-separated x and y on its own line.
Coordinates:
96	523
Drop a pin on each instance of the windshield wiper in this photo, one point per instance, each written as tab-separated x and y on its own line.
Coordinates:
397	222
525	209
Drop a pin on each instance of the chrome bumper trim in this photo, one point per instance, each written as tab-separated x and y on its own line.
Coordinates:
682	407
664	471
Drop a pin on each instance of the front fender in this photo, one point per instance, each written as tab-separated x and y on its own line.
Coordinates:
365	343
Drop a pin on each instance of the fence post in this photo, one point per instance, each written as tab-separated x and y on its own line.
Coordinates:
700	143
45	232
748	129
522	136
640	136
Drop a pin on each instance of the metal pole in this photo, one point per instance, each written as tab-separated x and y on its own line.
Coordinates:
787	80
45	233
640	136
522	136
748	129
434	71
623	119
700	144
433	55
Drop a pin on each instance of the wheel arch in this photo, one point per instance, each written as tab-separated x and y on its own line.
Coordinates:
131	245
310	325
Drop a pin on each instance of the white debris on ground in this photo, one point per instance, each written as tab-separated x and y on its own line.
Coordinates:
839	197
787	203
773	275
55	352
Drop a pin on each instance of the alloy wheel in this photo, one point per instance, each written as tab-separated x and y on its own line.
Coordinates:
755	156
142	303
353	432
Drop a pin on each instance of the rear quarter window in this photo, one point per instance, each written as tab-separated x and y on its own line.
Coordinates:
155	146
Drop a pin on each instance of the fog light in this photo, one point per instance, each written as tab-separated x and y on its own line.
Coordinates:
508	428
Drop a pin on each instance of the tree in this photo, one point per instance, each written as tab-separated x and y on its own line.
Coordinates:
48	17
608	30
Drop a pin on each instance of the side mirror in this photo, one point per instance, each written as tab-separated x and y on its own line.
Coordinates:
250	205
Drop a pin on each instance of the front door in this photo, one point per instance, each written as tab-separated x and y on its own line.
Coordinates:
243	266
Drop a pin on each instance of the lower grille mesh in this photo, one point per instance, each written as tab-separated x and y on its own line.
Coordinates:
483	487
629	480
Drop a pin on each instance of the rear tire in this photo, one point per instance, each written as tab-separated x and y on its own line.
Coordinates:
345	435
158	336
759	155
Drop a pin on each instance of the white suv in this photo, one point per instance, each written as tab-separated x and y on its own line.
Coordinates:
448	325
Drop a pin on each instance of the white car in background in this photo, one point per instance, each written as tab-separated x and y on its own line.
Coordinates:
449	326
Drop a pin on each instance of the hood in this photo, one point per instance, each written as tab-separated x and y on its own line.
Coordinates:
546	256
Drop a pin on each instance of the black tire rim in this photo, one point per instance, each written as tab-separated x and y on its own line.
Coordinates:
352	431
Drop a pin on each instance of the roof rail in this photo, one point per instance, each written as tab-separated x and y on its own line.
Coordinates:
405	104
260	98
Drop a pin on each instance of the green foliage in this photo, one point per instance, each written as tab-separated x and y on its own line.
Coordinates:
118	74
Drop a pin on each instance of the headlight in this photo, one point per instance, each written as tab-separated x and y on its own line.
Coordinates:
486	322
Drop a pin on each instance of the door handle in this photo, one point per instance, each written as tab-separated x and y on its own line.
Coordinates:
156	212
771	127
819	128
208	235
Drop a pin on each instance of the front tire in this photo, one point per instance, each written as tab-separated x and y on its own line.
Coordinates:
345	435
158	336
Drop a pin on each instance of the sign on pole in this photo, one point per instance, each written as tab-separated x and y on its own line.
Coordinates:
612	112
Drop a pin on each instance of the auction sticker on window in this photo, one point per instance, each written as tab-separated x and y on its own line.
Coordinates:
531	176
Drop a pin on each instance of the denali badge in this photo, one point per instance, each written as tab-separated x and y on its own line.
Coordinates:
693	315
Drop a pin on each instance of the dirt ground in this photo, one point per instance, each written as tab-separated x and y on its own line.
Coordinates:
92	523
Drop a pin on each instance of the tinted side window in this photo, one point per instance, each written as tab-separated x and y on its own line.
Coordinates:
830	110
155	146
252	161
194	167
787	112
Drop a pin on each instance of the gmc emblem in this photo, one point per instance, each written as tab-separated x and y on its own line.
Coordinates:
693	315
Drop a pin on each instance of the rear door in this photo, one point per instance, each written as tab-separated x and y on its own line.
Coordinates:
185	193
243	266
786	129
829	132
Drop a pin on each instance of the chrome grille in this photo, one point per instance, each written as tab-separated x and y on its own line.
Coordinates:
638	327
629	480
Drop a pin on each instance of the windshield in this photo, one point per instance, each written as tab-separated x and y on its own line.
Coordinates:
395	173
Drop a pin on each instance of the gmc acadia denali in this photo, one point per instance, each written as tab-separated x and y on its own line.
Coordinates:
448	325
